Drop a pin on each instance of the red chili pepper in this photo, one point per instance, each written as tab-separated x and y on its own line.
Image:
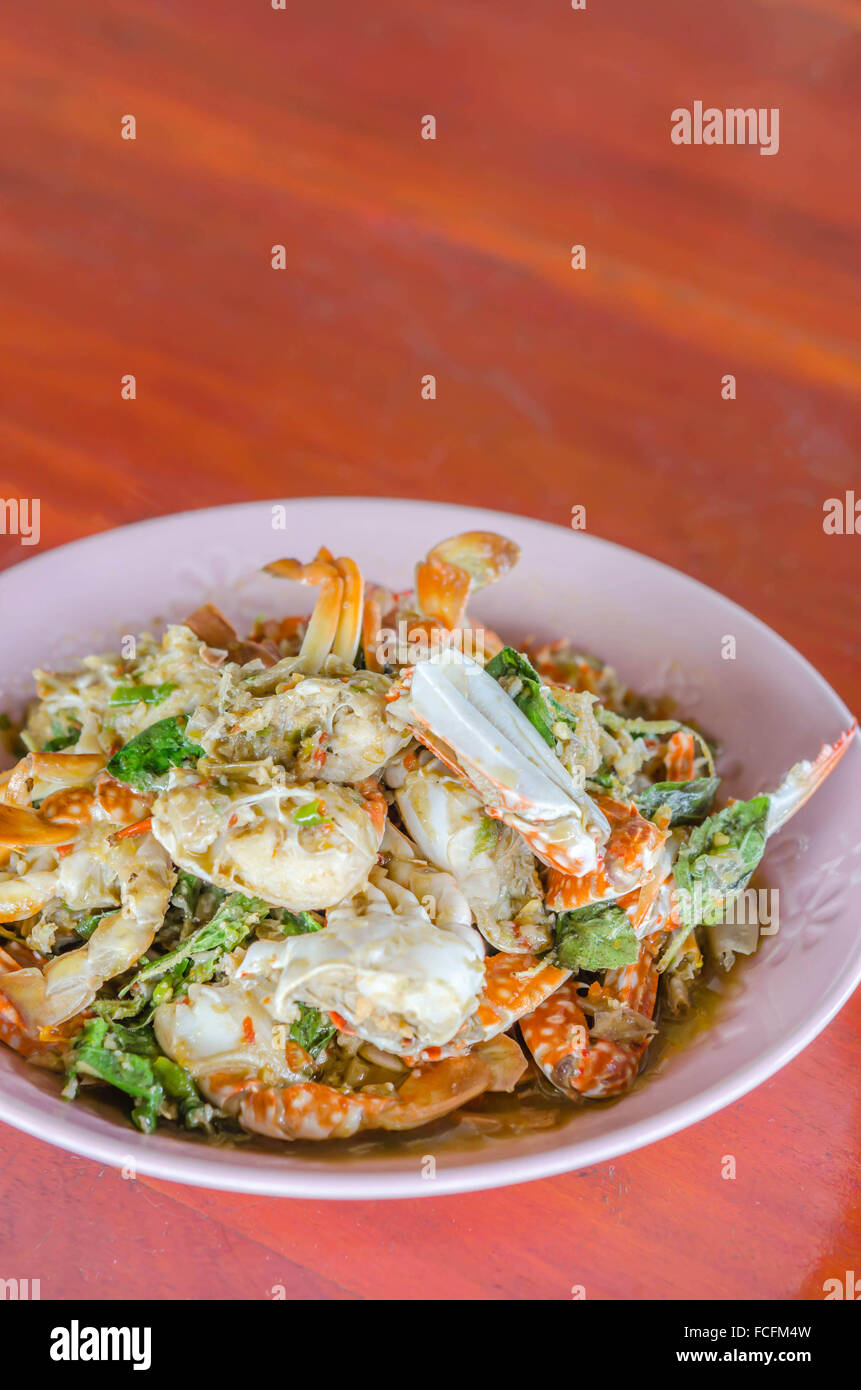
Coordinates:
140	827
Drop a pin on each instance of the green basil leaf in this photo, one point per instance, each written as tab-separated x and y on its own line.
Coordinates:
127	1071
130	1060
236	917
688	801
153	752
312	1030
597	937
719	859
533	698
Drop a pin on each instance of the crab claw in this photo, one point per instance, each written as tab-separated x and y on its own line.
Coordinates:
21	828
39	774
452	706
802	780
335	625
323	624
460	566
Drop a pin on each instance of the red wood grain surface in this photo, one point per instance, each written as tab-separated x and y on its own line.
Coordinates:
555	387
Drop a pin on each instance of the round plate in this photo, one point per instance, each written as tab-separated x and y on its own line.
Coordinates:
663	632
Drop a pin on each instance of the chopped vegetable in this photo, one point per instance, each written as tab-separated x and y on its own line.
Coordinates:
310	813
186	894
96	1052
298	923
146	694
486	836
87	925
179	1086
62	736
56	745
653	728
604	778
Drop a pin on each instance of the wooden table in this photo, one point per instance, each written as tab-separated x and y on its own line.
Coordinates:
556	387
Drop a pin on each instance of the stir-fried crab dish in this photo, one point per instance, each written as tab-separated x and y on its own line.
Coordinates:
307	882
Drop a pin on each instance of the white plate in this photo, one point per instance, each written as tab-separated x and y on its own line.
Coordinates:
662	631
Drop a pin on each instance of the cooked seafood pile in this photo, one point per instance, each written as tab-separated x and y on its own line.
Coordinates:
312	882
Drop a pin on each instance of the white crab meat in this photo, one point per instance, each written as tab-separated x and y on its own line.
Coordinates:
490	862
329	728
400	979
83	696
250	836
224	1027
463	715
86	878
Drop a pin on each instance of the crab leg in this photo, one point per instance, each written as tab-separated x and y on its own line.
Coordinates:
802	780
14	1031
628	861
310	1110
514	985
27	894
323	623
70	982
39	774
21	828
557	1033
347	634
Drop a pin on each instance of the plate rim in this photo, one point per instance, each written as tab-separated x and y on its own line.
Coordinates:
349	1183
582	537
